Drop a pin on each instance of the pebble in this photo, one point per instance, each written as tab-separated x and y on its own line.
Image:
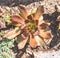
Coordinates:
49	5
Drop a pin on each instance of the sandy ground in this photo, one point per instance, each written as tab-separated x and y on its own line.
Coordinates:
49	8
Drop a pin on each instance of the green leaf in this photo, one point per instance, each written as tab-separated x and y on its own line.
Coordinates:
7	42
5	51
31	25
7	18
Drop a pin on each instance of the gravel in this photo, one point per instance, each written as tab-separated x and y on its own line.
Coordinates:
49	5
47	54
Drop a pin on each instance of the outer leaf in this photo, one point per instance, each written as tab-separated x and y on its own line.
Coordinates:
37	14
23	11
38	40
12	34
45	35
17	19
22	44
32	42
33	10
44	26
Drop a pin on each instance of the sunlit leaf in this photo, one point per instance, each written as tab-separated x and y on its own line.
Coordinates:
23	11
12	34
32	42
39	12
17	19
45	35
33	10
38	40
7	18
